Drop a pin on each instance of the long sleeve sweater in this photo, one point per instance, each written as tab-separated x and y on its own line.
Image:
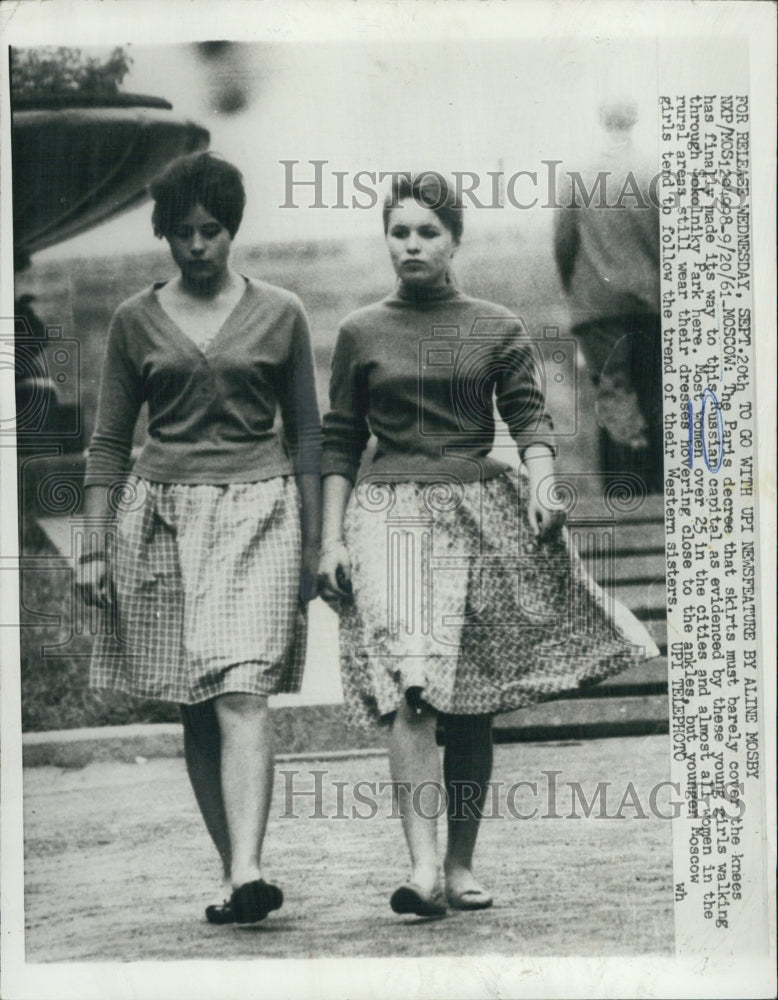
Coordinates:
422	371
211	413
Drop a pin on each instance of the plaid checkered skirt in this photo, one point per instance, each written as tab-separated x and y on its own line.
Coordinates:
454	594
206	585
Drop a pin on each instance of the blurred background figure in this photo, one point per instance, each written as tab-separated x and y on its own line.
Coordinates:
606	243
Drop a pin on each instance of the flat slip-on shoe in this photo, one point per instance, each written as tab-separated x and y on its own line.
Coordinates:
411	898
469	899
220	913
253	901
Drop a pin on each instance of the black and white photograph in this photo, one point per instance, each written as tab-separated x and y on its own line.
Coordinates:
387	443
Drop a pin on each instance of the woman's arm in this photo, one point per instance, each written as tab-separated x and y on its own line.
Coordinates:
92	580
345	436
521	404
302	432
545	515
334	562
119	403
309	487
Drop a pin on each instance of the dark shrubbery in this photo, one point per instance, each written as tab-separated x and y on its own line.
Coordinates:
54	71
55	691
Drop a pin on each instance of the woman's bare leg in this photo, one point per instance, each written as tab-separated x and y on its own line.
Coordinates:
467	767
202	751
246	779
414	760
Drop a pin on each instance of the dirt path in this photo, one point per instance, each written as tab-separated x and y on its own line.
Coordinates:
131	862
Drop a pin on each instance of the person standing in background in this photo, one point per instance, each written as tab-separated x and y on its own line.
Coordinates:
606	243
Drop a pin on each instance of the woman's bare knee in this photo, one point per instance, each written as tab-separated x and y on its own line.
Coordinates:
240	705
408	718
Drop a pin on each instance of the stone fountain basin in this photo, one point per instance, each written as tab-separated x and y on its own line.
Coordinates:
76	166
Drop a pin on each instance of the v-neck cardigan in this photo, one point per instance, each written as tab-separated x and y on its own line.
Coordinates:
212	412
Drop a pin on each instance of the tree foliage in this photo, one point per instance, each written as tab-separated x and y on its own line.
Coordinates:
57	71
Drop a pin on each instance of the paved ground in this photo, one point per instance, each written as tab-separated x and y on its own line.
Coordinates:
118	866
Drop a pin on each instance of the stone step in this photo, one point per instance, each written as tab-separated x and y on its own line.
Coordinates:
643	679
574	719
647	601
646	537
646	567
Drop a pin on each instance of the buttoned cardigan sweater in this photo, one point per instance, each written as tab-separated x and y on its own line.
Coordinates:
212	413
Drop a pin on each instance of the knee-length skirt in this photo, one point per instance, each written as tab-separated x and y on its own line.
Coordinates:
454	594
205	592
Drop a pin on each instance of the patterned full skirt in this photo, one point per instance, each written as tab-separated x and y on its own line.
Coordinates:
206	584
453	593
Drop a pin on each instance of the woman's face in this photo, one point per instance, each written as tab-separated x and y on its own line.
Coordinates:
200	246
420	246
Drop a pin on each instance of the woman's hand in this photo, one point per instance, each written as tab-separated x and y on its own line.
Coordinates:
334	574
93	581
546	516
309	568
544	520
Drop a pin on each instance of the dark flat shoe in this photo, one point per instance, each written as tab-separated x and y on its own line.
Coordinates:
410	898
220	913
253	901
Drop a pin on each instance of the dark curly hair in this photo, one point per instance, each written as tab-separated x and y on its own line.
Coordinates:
432	190
198	179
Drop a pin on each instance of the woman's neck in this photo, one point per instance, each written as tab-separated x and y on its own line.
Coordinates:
208	288
427	293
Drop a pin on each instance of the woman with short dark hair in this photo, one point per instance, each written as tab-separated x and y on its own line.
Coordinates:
458	597
202	178
217	528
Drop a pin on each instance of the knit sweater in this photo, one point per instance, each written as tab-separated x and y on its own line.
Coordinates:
421	371
211	412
